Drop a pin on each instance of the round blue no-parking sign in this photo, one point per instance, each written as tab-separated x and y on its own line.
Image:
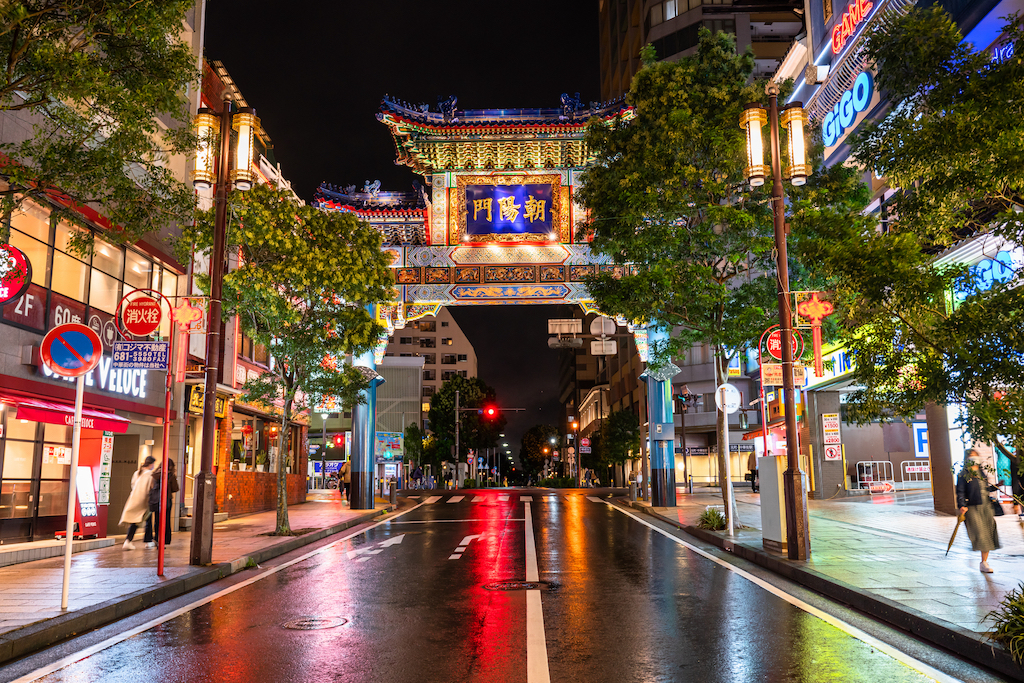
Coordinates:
71	350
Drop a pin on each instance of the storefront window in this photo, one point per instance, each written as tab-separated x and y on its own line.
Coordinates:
37	253
18	459
69	276
32	220
53	498
63	236
107	258
15	499
20	429
104	292
137	270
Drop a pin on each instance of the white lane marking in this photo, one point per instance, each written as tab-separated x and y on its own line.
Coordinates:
536	644
595	499
432	499
849	629
526	499
114	640
454	557
503	499
394	540
455	499
477	499
414	497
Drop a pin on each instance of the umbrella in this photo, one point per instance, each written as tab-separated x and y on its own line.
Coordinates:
959	521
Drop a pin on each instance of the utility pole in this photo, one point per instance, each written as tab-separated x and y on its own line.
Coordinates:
455	476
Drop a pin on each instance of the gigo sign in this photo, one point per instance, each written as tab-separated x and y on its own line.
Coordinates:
853	101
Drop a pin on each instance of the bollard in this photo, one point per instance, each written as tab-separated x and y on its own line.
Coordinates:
394	494
632	491
691	483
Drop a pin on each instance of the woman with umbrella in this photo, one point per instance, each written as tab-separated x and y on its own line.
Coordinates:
972	495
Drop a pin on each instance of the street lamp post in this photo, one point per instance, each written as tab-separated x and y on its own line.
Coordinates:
245	121
798	540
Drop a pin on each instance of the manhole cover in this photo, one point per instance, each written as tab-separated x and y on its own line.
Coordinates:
314	623
513	586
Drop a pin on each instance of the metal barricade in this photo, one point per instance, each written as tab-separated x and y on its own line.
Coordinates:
916	474
873	471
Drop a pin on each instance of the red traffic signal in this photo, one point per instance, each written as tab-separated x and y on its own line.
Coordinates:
489	412
338	440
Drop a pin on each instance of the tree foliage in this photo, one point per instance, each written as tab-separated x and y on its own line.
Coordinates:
302	286
620	437
101	84
532	455
952	145
474	430
668	200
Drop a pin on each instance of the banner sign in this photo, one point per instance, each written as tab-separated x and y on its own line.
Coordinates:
773	374
106	461
830	429
144	355
390	446
512	209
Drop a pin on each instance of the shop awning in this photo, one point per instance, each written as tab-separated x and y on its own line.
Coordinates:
759	432
63	414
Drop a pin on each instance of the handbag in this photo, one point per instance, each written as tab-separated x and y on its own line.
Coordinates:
997	508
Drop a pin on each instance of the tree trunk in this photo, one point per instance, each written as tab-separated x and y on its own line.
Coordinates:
721	425
283	527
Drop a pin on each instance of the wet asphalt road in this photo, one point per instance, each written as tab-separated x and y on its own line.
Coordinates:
409	600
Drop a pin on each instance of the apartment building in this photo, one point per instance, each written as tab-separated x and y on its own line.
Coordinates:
444	347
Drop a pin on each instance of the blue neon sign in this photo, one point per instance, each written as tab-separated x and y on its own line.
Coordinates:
853	101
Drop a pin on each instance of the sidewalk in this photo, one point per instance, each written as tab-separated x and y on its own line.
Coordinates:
110	583
886	557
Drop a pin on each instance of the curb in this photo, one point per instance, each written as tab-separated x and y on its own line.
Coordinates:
42	634
959	641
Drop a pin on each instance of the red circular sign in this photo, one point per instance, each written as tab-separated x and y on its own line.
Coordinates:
71	350
774	344
15	273
141	316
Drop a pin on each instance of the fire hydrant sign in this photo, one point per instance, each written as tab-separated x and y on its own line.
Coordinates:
15	273
830	429
141	316
133	355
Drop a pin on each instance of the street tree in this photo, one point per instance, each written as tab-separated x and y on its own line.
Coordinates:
536	447
304	281
414	443
95	90
669	202
475	431
926	331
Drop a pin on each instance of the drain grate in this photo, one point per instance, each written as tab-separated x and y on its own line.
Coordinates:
314	623
513	586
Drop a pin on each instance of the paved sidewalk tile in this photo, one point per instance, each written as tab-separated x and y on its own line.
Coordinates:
893	546
31	591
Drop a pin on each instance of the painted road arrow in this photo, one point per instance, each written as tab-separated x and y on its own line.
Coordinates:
465	544
396	540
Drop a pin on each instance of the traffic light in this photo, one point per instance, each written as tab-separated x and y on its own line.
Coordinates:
489	412
338	440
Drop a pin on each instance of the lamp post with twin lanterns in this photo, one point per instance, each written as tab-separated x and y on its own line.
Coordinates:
211	170
752	119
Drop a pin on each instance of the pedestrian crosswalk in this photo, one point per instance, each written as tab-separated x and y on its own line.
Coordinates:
501	498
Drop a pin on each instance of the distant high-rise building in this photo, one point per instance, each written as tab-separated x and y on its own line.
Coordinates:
445	349
768	26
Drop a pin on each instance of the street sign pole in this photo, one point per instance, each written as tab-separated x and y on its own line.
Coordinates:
164	510
76	440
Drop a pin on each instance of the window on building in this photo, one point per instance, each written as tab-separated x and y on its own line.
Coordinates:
428	390
429	375
448	359
447	375
447	341
425	407
429	358
463	374
405	355
444	323
405	340
137	270
428	343
427	326
826	10
463	358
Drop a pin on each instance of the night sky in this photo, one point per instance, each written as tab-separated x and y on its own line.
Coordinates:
316	72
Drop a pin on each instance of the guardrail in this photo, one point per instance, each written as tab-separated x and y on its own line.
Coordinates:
915	473
872	472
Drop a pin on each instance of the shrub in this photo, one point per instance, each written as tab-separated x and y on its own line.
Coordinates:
558	483
1009	622
711	518
469	484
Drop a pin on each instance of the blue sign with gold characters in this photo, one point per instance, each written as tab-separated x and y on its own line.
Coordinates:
509	209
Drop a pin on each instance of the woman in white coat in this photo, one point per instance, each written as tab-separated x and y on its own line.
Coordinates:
137	507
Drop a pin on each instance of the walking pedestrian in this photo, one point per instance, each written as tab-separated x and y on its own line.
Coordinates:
346	479
752	467
154	501
136	508
972	495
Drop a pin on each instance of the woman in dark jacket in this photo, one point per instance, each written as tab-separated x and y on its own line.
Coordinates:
154	501
972	489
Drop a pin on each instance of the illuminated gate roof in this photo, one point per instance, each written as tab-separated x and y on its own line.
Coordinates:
492	139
